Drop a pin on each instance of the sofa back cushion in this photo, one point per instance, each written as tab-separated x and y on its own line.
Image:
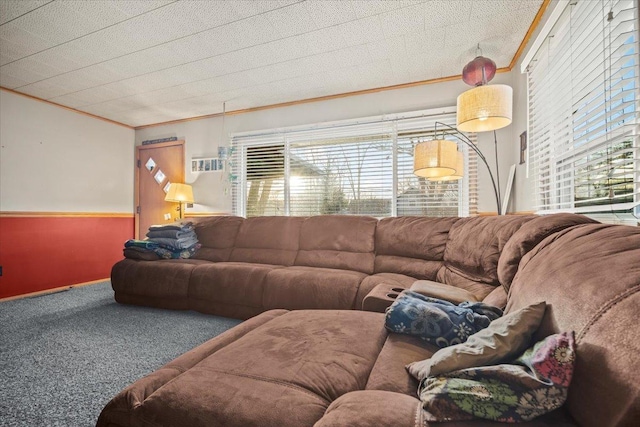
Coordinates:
413	246
528	236
473	250
217	235
268	240
338	241
589	276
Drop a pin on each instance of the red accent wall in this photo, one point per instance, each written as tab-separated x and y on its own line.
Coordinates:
39	253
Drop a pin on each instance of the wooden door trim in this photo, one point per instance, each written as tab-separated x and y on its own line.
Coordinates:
136	184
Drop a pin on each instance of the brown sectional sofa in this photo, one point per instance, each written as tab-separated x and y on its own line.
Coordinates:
336	367
248	266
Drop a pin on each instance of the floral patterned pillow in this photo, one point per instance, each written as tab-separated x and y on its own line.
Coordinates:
535	383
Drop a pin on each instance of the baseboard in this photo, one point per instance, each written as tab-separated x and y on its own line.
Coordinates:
53	290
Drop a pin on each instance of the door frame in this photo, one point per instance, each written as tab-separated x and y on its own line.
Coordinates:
138	166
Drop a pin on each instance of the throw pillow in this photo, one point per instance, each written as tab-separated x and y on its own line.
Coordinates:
536	383
437	321
503	339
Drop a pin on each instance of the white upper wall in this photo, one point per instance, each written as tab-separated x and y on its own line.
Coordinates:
56	160
202	137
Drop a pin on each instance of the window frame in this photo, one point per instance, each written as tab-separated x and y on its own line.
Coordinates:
242	141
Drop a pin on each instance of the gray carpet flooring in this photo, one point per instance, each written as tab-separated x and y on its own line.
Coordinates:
63	356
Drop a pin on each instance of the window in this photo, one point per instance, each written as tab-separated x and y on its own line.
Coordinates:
362	167
583	110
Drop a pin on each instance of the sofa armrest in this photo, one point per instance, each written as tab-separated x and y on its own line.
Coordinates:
367	408
381	297
443	291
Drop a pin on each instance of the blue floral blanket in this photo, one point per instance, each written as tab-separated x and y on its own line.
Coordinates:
437	321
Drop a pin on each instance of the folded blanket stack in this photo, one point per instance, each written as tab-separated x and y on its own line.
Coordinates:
169	241
173	236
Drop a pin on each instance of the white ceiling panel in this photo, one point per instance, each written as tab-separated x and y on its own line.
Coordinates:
12	9
257	7
10	51
73	100
142	62
325	40
408	20
87	97
86	53
449	12
215	14
44	89
500	7
8	81
29	70
289	48
294	19
365	8
252	31
384	49
333	12
58	22
28	43
427	43
97	14
136	7
365	30
62	59
352	56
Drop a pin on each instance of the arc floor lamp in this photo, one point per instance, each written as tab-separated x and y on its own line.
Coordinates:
480	109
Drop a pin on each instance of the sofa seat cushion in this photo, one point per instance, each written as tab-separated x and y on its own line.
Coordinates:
283	373
373	408
238	283
297	288
160	280
389	372
478	288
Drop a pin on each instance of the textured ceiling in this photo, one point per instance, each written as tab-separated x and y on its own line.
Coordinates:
144	61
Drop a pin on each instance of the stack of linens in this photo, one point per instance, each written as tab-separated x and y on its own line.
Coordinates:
170	241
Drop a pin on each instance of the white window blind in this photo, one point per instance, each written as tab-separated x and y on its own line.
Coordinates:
348	168
583	110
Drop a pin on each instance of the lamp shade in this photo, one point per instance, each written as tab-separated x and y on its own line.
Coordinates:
458	174
485	108
181	193
435	158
